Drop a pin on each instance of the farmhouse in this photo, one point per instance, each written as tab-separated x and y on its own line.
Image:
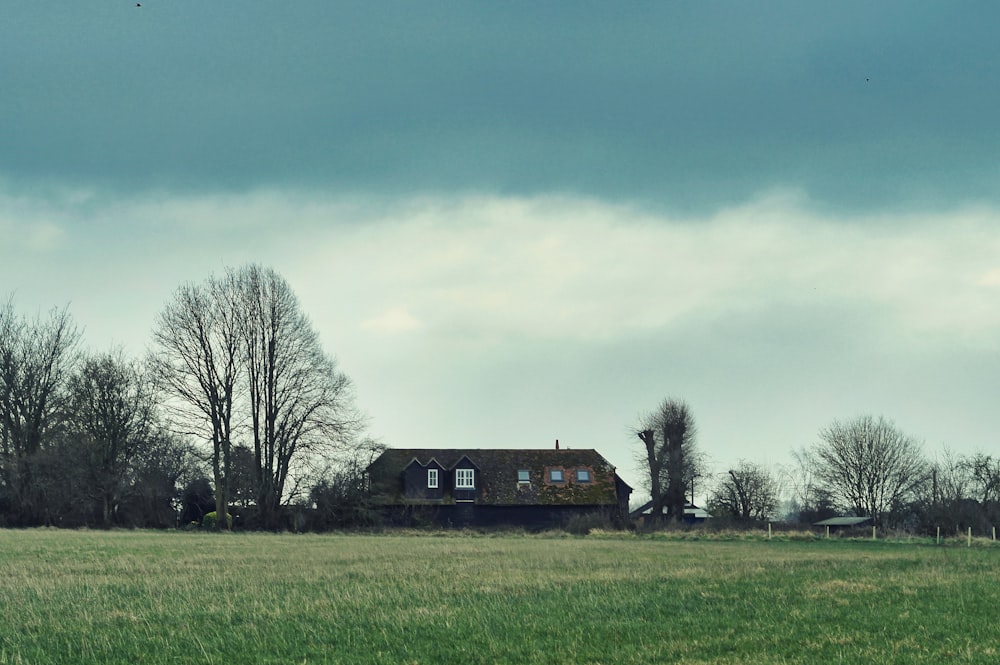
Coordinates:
482	487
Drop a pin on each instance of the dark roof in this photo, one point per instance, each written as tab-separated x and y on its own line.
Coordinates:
498	482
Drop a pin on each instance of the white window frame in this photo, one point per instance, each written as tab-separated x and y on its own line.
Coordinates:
465	479
552	476
432	479
583	472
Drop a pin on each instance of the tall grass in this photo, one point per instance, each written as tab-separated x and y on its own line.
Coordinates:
139	597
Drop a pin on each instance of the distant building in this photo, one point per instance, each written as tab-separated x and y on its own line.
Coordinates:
483	487
844	523
692	513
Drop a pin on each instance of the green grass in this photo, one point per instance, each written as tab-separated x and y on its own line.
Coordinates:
142	597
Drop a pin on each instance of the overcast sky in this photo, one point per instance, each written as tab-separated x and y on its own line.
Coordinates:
517	222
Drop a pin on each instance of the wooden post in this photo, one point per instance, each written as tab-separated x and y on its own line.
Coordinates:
970	536
769	531
994	533
939	535
827	530
873	532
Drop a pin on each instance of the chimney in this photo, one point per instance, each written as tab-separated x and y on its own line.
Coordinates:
557	444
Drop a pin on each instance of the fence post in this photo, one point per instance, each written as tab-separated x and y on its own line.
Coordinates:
939	535
970	536
873	532
769	531
827	530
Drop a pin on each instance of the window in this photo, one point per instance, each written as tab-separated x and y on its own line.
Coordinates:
556	475
583	475
432	478
523	476
465	479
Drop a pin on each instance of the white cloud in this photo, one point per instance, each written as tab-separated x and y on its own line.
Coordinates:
28	225
484	269
989	278
394	320
554	268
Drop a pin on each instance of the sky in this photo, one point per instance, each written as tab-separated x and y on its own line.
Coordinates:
519	222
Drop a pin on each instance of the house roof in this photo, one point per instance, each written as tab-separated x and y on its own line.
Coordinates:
498	478
690	510
844	521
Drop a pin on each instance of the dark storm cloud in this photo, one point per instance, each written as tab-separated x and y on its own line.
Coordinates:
680	104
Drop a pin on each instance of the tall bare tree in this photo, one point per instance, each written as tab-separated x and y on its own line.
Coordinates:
197	363
668	436
869	464
112	416
239	356
747	492
36	358
300	403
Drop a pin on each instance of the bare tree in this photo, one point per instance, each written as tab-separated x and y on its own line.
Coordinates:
197	365
961	491
300	403
668	435
340	497
869	464
747	492
237	352
809	499
166	465
36	359
112	416
984	471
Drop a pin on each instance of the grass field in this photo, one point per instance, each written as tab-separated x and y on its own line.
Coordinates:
145	597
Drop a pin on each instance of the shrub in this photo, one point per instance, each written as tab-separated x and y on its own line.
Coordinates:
581	525
211	521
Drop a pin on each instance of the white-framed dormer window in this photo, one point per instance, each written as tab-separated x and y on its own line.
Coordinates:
556	476
583	475
523	476
432	478
465	479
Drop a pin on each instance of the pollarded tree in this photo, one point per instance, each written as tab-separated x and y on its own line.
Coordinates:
747	492
869	464
668	437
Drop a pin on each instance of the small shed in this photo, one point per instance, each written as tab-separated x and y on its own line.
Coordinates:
844	523
692	513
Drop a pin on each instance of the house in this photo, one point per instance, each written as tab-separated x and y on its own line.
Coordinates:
483	487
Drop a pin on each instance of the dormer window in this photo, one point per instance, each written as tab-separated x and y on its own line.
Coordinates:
465	479
432	478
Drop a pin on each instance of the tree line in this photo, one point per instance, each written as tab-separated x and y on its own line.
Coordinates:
865	466
237	412
235	408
